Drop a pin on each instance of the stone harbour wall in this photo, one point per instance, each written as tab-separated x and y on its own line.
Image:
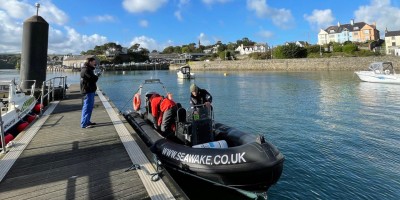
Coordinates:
306	64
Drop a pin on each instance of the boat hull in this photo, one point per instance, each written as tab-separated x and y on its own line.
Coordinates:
185	76
249	164
15	115
370	76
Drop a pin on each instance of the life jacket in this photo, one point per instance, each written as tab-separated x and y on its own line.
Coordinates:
155	108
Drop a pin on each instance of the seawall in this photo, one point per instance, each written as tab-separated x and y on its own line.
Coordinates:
306	64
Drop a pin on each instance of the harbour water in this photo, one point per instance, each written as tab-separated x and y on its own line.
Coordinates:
340	136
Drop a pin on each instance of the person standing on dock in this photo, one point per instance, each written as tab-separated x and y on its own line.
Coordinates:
88	88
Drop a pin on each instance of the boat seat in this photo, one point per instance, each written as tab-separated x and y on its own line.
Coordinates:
183	128
181	115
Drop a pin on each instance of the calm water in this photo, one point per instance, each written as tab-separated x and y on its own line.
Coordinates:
340	136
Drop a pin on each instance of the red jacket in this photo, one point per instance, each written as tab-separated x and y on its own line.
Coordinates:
155	108
165	105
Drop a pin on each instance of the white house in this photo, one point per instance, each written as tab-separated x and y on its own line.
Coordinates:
243	50
392	40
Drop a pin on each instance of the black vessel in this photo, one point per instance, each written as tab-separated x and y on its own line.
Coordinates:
208	150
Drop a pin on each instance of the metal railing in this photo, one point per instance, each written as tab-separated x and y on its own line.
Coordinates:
51	86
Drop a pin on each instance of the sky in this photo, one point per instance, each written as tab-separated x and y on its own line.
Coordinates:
80	25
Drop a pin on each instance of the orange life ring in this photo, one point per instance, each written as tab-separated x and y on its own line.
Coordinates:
136	102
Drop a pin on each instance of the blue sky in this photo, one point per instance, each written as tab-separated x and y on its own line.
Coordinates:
77	26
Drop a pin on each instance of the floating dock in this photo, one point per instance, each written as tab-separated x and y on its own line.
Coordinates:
56	159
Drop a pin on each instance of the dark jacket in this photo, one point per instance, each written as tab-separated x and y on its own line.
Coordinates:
88	79
202	97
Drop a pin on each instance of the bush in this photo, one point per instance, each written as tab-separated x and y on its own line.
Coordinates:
260	56
350	48
314	49
337	48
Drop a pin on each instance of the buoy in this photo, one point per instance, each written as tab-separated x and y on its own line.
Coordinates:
30	118
8	138
136	102
225	74
37	108
22	126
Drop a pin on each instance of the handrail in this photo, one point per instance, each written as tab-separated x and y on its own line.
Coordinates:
51	85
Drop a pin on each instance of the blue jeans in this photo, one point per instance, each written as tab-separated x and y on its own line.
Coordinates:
87	109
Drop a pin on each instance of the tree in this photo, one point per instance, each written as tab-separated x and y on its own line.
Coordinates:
168	50
290	50
134	47
178	49
245	41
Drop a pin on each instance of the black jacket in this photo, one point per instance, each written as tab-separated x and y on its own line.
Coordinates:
88	79
202	97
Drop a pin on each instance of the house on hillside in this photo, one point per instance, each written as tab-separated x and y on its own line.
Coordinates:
244	50
392	40
353	32
299	43
77	61
211	50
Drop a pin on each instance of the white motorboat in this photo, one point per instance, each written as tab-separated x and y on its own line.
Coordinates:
15	104
379	72
184	72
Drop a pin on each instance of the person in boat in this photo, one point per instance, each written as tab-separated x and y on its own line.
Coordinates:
199	96
163	111
168	108
88	89
155	101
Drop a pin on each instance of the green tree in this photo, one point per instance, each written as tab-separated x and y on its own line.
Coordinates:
290	50
134	47
169	49
177	49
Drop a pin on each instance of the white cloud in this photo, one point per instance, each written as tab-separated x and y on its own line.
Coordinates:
280	17
204	39
320	19
178	15
209	2
265	34
64	40
381	12
181	5
138	6
143	23
21	10
10	34
100	18
51	13
146	42
72	41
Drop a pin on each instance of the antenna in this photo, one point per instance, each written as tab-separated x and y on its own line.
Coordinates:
37	5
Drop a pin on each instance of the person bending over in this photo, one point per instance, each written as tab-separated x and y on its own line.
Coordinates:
199	96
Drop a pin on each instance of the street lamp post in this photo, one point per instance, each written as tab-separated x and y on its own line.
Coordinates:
320	50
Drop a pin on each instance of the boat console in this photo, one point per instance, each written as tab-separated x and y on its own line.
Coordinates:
194	126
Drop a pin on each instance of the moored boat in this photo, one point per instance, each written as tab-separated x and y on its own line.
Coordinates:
184	72
380	72
205	149
16	106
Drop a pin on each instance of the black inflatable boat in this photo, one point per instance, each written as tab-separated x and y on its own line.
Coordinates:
210	150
